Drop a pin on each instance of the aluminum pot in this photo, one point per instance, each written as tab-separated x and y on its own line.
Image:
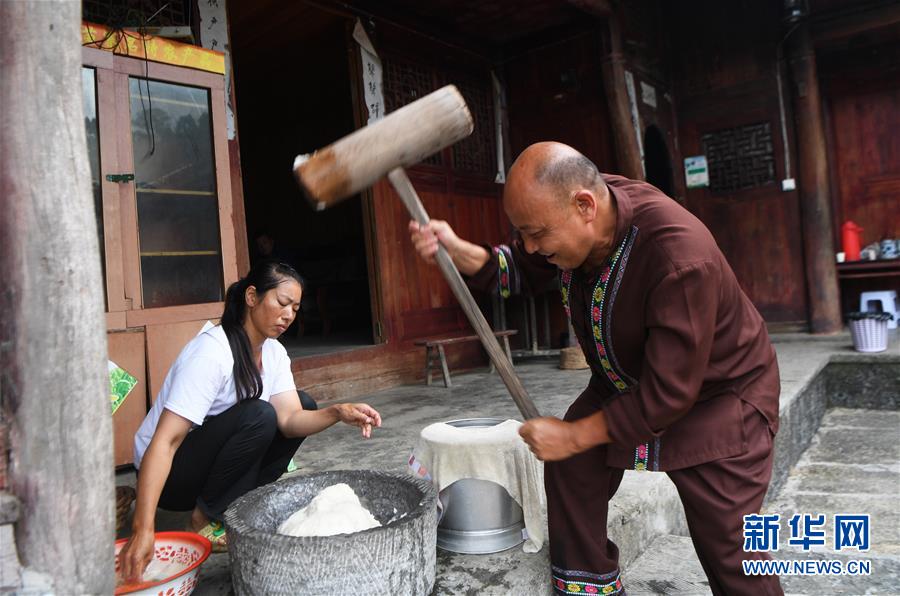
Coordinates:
479	516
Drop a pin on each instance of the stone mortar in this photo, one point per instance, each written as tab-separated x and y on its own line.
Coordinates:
397	558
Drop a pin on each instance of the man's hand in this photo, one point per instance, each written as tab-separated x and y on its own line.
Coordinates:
362	415
425	238
467	257
550	439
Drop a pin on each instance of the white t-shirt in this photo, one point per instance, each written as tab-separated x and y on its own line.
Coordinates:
201	382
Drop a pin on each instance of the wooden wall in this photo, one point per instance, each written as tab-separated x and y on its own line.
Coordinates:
555	93
862	95
860	80
724	76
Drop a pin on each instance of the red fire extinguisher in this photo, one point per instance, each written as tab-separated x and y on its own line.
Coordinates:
850	240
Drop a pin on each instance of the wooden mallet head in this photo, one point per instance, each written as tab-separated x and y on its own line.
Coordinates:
402	138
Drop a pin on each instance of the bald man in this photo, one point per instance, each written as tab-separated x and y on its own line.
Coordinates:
684	377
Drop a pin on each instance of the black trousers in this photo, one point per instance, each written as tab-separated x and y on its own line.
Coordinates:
229	455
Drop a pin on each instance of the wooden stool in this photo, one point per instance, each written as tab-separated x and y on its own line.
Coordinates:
434	352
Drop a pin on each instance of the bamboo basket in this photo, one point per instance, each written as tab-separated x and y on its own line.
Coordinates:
125	496
572	359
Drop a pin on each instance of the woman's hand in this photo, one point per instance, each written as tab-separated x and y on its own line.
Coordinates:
136	555
362	415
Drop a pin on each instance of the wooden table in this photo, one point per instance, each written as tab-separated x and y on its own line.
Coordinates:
867	269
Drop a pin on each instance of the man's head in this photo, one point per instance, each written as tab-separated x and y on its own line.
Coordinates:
265	245
557	200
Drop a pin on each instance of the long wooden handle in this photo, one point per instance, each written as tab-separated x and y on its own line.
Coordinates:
410	198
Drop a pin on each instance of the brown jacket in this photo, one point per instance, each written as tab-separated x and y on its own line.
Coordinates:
673	342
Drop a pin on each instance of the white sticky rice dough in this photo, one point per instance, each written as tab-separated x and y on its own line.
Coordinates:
156	571
335	510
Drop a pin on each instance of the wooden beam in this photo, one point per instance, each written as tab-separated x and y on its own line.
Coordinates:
53	361
628	155
597	8
824	29
815	204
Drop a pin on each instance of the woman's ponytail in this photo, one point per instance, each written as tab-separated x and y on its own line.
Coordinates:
247	381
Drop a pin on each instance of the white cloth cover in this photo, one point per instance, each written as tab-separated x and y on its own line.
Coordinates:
447	453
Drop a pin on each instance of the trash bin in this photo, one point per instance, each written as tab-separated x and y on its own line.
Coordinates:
869	330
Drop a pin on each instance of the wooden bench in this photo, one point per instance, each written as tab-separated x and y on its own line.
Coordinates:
434	352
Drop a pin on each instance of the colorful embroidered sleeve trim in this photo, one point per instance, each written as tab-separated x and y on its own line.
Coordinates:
573	582
504	275
641	457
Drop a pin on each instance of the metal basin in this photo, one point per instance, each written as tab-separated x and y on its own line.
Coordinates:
479	516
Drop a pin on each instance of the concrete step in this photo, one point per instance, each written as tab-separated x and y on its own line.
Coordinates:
852	466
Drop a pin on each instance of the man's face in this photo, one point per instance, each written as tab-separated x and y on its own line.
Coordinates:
265	245
551	227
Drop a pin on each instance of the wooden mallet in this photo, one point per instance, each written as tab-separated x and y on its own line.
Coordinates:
402	138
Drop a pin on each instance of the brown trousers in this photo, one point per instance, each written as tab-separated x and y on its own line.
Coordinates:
716	495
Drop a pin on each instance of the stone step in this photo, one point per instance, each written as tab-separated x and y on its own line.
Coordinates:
850	467
645	506
670	566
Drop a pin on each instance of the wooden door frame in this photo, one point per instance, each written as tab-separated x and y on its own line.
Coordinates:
367	196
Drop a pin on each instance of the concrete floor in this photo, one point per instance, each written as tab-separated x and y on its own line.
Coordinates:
644	515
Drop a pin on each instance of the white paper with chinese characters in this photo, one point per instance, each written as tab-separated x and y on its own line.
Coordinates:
373	92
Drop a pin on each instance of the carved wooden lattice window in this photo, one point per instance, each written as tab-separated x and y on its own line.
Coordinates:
739	158
405	82
476	153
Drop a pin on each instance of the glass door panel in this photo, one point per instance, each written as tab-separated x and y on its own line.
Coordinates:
177	201
92	128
